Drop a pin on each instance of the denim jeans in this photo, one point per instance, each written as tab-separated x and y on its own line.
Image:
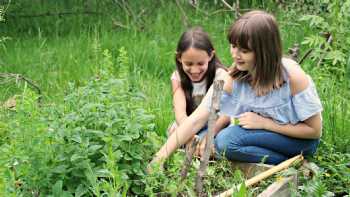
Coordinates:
254	146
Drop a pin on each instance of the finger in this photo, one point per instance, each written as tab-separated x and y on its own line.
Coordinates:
246	126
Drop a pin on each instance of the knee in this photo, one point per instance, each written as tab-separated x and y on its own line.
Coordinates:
228	139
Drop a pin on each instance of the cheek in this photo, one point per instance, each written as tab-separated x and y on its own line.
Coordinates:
186	68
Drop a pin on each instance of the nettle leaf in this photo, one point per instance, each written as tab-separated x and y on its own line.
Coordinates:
94	148
75	157
336	56
61	169
80	190
57	188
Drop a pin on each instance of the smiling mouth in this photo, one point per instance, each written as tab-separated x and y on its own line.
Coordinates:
196	77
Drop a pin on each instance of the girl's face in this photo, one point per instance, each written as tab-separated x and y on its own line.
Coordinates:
244	59
195	63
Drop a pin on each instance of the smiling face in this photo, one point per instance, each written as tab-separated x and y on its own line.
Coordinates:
195	63
244	59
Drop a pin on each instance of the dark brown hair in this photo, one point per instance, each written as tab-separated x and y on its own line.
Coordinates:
258	32
198	39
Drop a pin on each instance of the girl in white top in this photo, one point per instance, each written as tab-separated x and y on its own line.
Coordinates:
197	67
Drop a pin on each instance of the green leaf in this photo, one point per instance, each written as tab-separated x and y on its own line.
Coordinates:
57	188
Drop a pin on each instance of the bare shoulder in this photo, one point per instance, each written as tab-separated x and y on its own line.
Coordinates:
297	77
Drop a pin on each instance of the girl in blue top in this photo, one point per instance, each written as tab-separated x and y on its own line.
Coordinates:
275	102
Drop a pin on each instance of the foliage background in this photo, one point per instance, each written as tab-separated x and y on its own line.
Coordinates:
86	54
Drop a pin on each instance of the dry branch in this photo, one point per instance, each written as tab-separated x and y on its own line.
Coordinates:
266	174
18	77
214	108
54	14
184	17
189	155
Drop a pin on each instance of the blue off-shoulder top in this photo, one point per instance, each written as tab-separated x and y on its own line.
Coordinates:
279	104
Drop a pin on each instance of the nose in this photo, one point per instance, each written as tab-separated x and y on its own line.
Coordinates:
195	70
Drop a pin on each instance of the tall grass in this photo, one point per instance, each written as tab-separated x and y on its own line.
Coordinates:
55	50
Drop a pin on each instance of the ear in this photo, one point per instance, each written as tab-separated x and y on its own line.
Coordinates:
212	55
178	56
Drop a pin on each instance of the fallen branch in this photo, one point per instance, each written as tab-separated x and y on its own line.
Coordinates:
18	77
227	5
214	108
266	174
53	14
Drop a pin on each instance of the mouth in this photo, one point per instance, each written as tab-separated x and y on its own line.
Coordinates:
240	62
196	77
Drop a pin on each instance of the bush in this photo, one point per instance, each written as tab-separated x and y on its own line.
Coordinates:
96	142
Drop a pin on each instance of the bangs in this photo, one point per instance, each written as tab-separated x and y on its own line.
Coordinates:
239	35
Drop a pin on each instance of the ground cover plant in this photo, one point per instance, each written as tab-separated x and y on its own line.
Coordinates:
104	67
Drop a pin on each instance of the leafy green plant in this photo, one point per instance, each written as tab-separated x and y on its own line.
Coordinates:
95	143
334	22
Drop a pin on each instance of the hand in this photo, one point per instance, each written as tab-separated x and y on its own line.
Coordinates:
154	166
200	147
251	120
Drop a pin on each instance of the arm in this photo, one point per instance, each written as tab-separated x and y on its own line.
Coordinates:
183	133
179	101
308	129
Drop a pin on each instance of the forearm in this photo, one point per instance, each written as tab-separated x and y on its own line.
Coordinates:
221	123
182	134
299	130
180	116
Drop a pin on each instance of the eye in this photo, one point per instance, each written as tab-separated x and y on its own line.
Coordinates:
188	63
233	45
200	63
245	50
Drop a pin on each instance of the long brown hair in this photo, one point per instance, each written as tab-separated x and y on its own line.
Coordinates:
198	39
258	32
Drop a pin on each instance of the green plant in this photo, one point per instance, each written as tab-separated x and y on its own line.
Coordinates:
95	143
333	22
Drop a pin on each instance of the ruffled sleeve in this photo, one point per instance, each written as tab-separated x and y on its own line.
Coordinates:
307	102
175	76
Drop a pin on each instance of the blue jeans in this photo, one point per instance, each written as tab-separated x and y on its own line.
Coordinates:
254	146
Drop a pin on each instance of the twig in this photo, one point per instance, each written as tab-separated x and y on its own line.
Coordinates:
238	12
218	85
184	17
227	5
189	156
305	56
54	14
21	77
329	39
266	174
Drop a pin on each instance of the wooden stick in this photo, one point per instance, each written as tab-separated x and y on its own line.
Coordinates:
266	174
227	5
189	156
214	108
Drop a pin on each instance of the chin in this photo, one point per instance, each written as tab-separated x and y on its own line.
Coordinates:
240	68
